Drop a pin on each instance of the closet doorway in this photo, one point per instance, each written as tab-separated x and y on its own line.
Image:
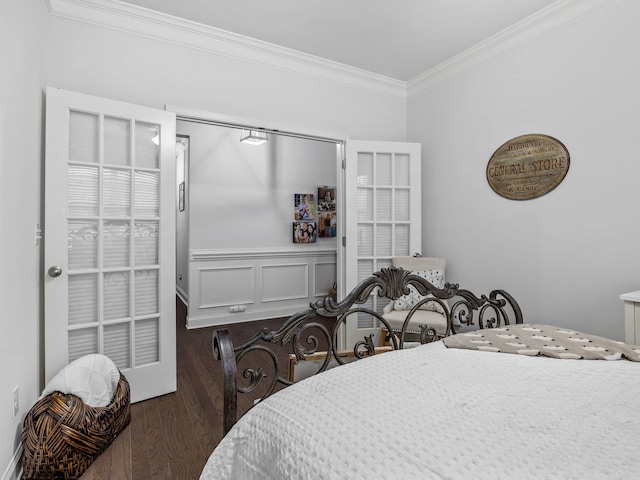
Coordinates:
237	255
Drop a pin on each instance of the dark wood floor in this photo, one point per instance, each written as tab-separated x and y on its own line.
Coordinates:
171	437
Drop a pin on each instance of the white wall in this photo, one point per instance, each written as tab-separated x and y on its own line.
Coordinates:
241	196
568	255
20	167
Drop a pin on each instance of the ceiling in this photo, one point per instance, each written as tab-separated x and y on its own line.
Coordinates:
399	39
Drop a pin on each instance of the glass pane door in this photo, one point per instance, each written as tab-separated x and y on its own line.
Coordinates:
110	231
113	191
383	206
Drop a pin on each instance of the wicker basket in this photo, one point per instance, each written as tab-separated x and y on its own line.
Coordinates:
62	436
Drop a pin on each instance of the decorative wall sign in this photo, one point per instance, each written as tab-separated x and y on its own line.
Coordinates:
527	167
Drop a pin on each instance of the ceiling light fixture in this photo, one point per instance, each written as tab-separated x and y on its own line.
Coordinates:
254	137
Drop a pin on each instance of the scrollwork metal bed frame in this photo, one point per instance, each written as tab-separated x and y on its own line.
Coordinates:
496	309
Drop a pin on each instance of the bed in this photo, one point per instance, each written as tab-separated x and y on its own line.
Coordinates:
495	398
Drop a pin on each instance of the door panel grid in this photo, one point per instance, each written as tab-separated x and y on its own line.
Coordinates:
386	213
384	225
110	238
122	190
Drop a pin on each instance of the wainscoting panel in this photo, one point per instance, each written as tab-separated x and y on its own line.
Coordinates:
285	282
326	274
219	286
238	286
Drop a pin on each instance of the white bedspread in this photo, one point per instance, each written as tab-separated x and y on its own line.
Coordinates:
437	413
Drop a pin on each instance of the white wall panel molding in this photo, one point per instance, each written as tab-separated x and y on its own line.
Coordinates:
211	319
284	282
207	255
148	23
548	20
223	286
240	286
325	274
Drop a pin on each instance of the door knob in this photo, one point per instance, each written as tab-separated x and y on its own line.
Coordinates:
55	271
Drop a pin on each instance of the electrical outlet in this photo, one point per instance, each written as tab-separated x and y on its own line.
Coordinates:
237	308
16	401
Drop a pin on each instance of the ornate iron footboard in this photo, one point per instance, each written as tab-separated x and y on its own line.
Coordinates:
304	334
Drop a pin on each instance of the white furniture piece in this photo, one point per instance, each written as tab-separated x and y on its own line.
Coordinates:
396	311
631	317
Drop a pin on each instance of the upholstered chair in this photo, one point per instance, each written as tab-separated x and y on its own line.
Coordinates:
430	314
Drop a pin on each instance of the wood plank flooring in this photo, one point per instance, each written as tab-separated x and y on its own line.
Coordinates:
171	437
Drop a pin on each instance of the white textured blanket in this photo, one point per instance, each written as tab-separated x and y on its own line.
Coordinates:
437	413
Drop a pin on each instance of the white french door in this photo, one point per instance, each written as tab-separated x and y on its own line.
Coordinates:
110	238
383	217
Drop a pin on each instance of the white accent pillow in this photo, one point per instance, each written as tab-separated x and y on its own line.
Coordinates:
406	302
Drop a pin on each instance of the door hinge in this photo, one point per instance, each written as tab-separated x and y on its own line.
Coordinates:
344	241
37	234
344	163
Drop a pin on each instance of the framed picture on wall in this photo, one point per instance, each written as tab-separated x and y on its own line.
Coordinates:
304	232
327	222
326	199
304	206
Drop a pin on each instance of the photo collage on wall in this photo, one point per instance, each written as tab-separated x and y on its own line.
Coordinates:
313	219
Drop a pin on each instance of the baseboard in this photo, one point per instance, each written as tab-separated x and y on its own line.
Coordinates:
182	295
202	321
14	470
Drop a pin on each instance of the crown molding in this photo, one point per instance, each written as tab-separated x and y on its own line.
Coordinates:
555	17
132	19
117	15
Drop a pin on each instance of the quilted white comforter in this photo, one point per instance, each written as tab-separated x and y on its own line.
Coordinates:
437	413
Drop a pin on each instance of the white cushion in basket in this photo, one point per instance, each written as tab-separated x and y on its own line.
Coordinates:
94	378
407	302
